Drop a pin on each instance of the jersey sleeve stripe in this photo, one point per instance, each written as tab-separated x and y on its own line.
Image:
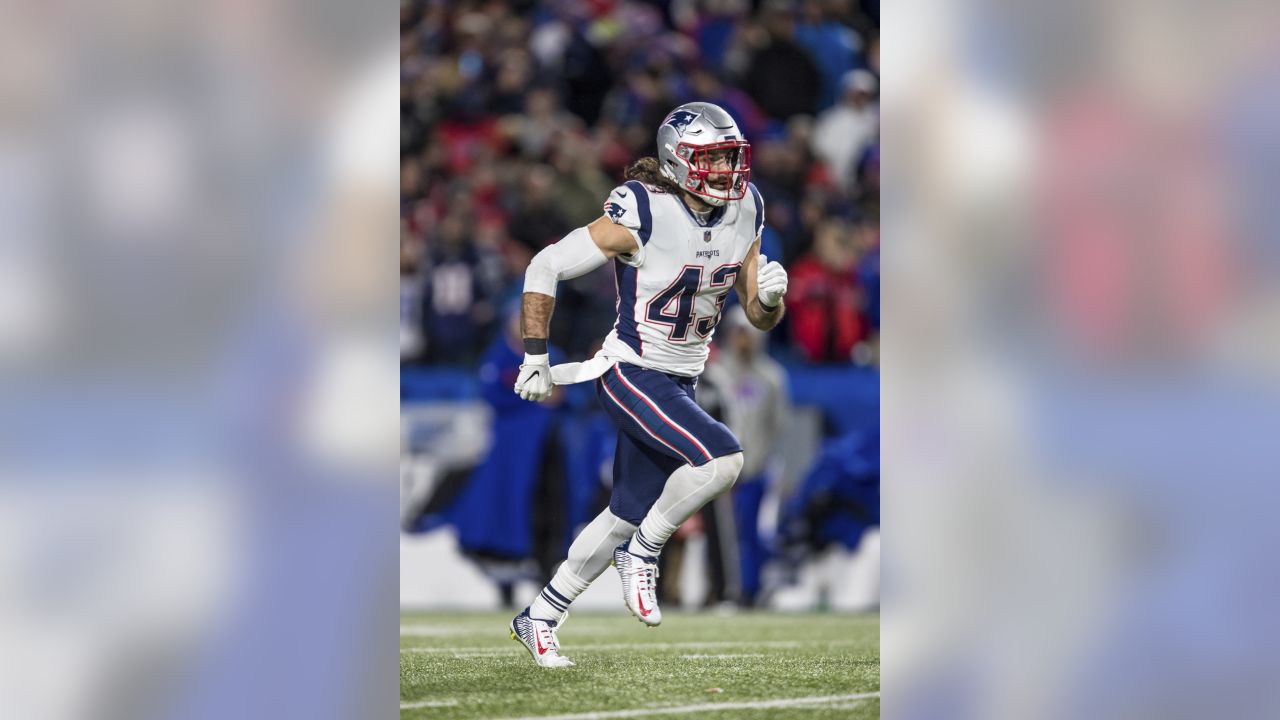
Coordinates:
642	206
759	207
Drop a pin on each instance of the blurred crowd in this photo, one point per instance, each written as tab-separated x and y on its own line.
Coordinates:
517	118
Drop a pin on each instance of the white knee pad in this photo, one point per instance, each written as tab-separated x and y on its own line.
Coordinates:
725	470
689	488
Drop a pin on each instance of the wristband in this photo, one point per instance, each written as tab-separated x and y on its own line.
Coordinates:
535	346
766	307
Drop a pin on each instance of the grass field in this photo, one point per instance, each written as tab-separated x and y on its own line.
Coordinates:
766	667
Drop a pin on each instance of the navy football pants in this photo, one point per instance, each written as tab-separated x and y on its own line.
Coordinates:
661	428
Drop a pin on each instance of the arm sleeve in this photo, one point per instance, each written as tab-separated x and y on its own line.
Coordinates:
575	255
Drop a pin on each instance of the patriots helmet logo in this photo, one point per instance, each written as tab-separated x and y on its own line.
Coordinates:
614	210
680	120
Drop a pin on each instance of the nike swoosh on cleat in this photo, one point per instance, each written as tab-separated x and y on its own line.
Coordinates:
640	600
541	650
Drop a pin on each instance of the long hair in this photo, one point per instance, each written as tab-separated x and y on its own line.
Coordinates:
646	171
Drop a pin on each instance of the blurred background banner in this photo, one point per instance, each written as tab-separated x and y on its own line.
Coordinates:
1081	376
517	119
198	416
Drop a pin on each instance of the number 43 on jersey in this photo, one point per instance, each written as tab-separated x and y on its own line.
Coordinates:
681	294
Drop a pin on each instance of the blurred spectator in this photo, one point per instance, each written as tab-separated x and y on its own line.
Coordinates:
412	340
708	87
845	131
834	47
823	298
538	220
541	124
780	171
715	523
713	29
867	241
585	82
511	85
867	194
580	186
459	298
781	75
497	513
752	389
492	264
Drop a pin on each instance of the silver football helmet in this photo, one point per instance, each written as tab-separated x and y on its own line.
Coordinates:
701	149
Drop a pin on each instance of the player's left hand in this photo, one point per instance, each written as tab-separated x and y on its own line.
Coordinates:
534	381
771	281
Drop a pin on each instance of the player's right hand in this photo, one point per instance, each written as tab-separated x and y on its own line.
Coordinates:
534	381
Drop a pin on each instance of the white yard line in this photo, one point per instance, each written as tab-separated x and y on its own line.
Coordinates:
706	707
570	649
727	656
428	704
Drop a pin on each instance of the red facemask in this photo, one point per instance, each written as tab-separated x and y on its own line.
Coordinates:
719	179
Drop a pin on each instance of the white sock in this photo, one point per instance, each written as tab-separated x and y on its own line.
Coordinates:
589	555
686	491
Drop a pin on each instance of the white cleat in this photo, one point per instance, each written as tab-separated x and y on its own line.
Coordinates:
539	636
639	577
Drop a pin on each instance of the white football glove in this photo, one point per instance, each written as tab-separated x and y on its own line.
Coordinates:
534	381
771	281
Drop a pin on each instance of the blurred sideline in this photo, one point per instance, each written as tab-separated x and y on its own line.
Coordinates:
793	533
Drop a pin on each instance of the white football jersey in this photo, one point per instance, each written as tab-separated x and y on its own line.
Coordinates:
671	291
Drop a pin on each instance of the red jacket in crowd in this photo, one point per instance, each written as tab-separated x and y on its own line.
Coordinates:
823	311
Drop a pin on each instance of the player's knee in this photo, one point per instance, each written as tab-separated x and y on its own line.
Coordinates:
727	469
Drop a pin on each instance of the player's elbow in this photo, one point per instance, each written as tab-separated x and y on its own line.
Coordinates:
575	255
541	276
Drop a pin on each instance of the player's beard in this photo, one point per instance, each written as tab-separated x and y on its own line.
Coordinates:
719	184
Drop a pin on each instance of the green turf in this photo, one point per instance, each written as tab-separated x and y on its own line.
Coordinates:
468	665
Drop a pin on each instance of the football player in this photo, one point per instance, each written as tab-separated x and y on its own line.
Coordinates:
682	231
